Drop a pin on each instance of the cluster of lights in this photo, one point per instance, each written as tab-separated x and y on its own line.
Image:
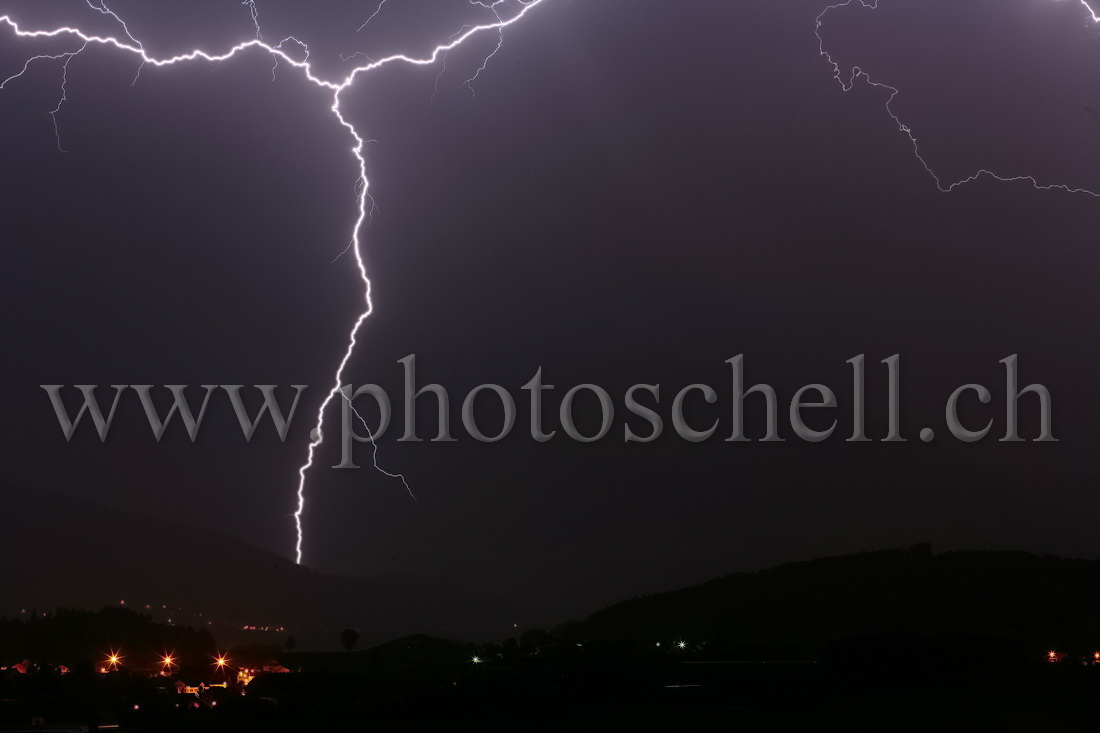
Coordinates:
1053	656
167	661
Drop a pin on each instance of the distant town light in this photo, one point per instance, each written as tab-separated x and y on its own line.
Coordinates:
681	645
476	660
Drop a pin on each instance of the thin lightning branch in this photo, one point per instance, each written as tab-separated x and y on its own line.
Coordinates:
349	56
491	5
469	83
28	62
336	87
255	13
343	252
64	93
255	17
855	73
373	15
374	447
288	39
442	71
102	8
370	215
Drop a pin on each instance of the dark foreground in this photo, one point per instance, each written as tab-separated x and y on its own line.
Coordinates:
588	689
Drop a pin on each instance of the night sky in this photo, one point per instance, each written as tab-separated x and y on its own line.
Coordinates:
635	191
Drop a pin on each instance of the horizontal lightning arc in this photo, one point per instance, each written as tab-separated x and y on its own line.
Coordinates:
856	73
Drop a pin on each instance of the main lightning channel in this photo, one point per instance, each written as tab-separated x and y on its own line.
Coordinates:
132	46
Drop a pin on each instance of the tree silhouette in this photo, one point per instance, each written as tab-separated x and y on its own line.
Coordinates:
290	644
349	639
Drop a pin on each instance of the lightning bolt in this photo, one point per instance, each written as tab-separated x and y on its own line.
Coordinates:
130	45
847	80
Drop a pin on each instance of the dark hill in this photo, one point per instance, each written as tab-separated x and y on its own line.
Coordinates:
63	552
1046	601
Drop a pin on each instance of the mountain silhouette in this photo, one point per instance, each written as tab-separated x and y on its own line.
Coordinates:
1043	601
67	552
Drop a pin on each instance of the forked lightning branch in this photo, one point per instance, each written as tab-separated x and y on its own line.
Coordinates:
504	14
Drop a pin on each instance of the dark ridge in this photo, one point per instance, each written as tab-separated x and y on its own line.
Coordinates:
1044	600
